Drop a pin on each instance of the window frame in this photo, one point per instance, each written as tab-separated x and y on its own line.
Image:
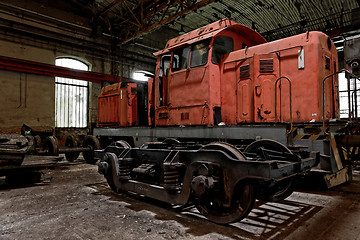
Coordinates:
213	44
67	93
208	40
173	53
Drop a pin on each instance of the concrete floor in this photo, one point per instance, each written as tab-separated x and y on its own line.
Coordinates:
74	202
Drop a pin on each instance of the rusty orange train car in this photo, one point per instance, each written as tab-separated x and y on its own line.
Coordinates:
224	82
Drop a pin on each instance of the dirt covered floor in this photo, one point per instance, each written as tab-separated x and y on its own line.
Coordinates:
74	202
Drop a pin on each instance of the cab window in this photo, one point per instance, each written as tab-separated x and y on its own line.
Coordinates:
222	45
164	65
199	53
181	59
163	73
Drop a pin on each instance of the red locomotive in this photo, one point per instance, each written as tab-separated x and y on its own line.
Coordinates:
276	105
226	72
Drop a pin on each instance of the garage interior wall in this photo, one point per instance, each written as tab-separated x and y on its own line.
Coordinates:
30	99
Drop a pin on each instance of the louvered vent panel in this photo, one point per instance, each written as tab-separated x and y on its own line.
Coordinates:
266	65
327	63
185	116
245	71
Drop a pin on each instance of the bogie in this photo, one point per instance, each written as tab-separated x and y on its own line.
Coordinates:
217	178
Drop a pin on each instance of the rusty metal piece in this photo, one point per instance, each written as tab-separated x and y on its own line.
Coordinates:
13	149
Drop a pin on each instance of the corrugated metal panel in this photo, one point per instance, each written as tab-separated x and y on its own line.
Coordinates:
276	19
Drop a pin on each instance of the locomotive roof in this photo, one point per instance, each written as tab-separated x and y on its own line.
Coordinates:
212	30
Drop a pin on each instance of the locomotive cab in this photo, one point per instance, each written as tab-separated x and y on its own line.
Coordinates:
187	77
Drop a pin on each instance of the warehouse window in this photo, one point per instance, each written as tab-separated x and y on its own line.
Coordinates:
71	96
344	93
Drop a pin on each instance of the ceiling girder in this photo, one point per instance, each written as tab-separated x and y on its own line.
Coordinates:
165	17
108	7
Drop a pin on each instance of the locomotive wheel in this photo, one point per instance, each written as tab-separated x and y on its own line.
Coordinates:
71	142
242	202
282	189
51	146
121	143
227	148
93	143
109	177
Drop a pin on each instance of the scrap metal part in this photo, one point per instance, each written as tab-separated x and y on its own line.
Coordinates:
13	149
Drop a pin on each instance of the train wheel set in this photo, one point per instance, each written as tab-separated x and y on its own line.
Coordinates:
72	147
217	178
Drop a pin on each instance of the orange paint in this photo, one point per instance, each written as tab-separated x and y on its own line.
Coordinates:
227	72
306	82
117	105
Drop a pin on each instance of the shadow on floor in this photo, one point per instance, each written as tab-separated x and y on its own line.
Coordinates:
266	220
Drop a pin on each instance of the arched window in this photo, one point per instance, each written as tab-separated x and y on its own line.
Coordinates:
141	75
71	96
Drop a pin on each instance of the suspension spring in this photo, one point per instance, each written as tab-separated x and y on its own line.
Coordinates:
125	168
172	178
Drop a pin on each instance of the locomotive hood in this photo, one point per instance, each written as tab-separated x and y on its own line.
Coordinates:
212	30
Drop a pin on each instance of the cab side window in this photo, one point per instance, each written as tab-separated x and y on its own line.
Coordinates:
222	45
164	65
181	59
199	55
163	73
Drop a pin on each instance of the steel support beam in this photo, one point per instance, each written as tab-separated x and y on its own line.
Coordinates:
19	65
165	18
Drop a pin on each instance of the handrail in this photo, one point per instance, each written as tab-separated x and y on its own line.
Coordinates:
291	121
349	97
